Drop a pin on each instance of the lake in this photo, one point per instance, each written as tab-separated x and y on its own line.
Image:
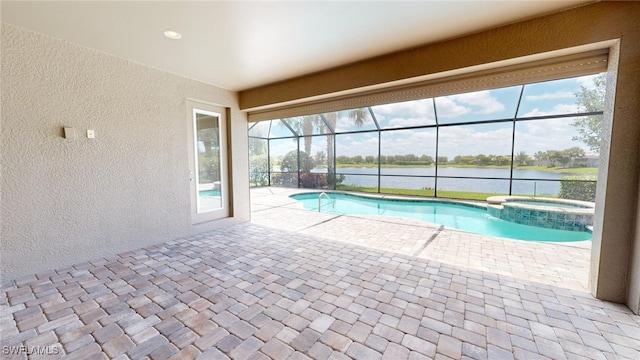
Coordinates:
406	178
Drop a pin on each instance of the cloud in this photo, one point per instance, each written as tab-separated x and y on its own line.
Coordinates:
418	108
553	134
447	108
408	113
281	147
549	96
474	140
499	136
344	123
587	81
479	102
483	99
558	109
357	144
545	128
417	142
401	142
405	122
530	137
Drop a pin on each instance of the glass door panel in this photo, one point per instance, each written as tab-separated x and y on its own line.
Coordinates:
209	187
208	180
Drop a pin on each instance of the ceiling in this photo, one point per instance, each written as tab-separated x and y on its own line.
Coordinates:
239	45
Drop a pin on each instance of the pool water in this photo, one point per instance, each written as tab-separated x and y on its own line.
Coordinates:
454	215
209	193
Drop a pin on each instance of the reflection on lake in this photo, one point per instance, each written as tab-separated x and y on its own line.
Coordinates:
405	178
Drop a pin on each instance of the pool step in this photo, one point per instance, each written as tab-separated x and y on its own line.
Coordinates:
494	210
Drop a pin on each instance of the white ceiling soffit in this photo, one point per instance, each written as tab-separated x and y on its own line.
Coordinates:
241	44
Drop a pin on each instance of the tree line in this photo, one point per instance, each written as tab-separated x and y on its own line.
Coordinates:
550	158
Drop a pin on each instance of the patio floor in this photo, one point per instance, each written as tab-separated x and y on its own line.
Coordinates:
562	264
287	286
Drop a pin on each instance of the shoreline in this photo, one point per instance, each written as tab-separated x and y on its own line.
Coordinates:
559	170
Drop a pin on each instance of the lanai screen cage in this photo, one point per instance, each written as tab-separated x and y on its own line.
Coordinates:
539	139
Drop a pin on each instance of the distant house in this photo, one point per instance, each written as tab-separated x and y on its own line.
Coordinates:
588	160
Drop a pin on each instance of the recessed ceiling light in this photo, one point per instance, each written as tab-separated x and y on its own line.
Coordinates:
172	34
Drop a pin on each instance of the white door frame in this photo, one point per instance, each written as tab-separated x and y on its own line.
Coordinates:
208	207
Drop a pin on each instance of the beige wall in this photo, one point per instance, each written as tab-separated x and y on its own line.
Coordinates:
67	201
633	298
616	24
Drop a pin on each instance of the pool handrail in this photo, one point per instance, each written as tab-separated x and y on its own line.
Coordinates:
333	202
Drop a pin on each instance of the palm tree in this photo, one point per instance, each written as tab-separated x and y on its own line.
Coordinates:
304	126
309	122
359	117
331	119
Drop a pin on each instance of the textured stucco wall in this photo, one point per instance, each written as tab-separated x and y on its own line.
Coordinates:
66	201
633	298
613	272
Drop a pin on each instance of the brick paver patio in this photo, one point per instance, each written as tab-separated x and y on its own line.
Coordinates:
562	264
252	291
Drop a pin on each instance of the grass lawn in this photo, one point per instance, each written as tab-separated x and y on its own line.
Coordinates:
586	171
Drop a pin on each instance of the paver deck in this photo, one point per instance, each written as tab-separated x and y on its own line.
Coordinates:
252	291
562	264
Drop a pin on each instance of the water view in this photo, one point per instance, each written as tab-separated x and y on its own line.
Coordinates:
408	178
549	132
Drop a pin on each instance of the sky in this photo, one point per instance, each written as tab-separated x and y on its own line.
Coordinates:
538	99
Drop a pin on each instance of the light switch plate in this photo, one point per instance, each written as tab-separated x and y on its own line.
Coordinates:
69	133
91	134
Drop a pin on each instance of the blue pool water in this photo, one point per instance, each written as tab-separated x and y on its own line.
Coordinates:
450	214
210	193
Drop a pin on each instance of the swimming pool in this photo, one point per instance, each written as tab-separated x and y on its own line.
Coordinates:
209	192
461	216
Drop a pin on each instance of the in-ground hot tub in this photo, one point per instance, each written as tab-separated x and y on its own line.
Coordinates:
562	214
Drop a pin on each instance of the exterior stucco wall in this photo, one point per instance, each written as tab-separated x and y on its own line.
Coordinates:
65	201
614	276
633	298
